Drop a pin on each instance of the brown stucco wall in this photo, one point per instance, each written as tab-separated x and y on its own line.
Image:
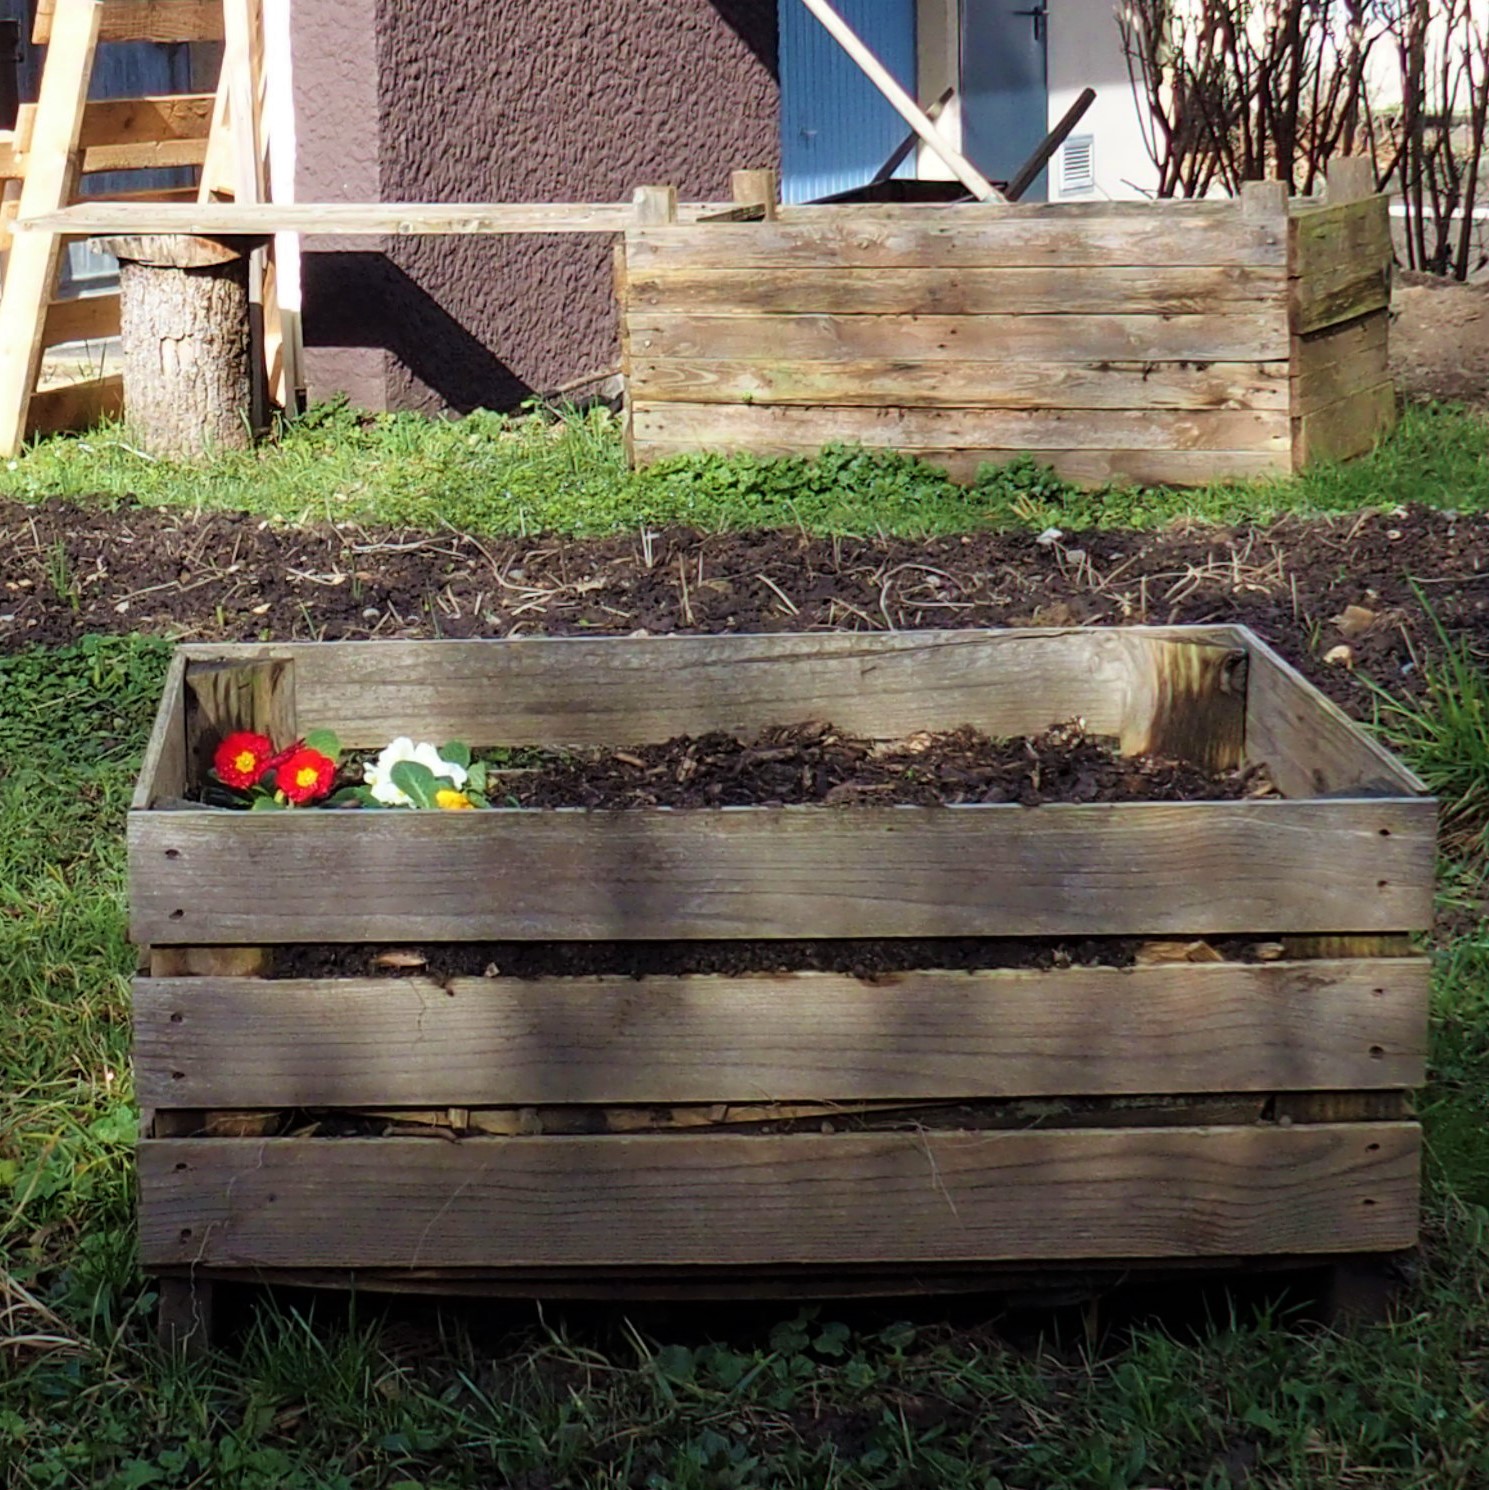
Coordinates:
510	100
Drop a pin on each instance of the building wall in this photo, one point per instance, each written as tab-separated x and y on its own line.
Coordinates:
1085	51
546	100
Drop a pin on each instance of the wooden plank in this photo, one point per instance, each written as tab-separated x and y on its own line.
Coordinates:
1308	743
1340	361
1194	708
1190	868
31	263
743	427
81	318
401	1042
130	121
131	157
219	219
1255	336
227	696
1340	431
878	381
82	405
976	237
1340	263
163	770
757	188
930	290
143	20
631	690
723	1199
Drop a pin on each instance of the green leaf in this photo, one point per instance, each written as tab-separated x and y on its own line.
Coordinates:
475	777
455	753
352	796
417	782
325	741
478	799
267	804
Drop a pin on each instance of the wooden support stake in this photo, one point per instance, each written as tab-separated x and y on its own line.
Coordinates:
31	265
1264	199
1351	178
908	110
757	189
655	206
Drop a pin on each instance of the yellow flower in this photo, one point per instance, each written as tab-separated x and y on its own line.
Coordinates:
451	800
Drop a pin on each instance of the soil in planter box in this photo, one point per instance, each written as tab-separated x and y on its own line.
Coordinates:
861	958
801	764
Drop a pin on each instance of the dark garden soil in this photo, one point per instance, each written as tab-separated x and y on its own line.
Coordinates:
862	958
1310	587
792	765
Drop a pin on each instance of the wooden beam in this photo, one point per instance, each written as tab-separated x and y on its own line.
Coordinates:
1352	1025
142	20
81	318
215	219
75	405
31	265
748	1200
905	106
130	121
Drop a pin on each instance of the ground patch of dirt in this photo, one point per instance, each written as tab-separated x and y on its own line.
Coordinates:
1440	338
798	764
66	571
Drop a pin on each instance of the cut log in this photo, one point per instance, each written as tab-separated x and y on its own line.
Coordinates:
186	342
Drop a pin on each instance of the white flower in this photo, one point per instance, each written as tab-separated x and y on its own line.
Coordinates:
378	774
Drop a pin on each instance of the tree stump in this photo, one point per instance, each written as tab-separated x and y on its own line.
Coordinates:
187	343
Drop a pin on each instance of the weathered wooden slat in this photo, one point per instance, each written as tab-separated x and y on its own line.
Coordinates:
143	20
1347	428
972	238
1341	263
722	1199
629	690
881	381
932	291
130	121
1253	336
163	770
1192	868
1340	361
75	405
222	697
1310	746
81	318
389	1042
709	427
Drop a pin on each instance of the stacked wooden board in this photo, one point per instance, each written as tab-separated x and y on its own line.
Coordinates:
1176	342
797	1130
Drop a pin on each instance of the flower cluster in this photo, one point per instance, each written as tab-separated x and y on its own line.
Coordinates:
247	771
304	772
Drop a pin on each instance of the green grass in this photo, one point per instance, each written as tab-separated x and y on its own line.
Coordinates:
861	1401
537	473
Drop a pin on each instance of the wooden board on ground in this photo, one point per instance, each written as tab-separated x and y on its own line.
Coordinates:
726	1200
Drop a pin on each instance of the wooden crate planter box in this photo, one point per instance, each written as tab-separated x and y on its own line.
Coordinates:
1173	342
1176	1112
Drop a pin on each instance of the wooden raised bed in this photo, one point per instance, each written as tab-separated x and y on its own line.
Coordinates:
1165	1112
1173	342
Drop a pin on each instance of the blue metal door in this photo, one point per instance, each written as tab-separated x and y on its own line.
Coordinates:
1005	89
837	129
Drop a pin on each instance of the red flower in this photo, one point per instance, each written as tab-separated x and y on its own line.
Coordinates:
242	758
305	775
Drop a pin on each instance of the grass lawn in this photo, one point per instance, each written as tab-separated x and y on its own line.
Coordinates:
921	1396
488	474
